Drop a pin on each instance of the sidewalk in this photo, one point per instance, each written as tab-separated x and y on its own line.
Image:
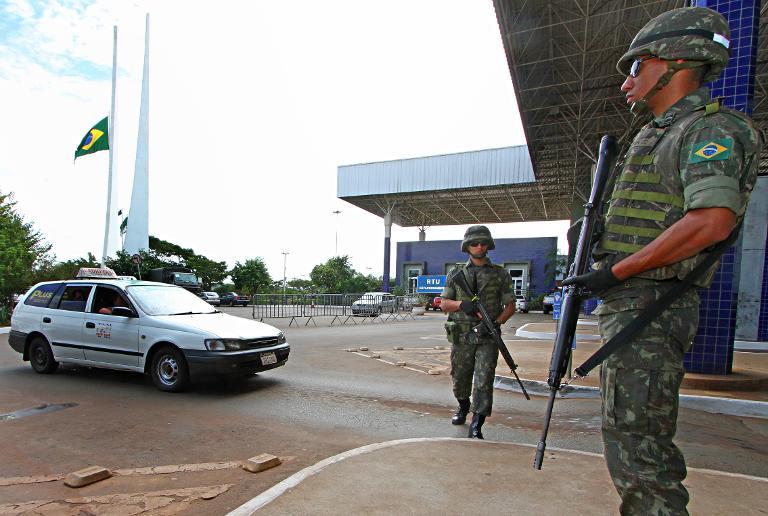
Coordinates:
463	476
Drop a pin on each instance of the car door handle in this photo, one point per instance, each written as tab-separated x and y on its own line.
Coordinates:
46	319
90	325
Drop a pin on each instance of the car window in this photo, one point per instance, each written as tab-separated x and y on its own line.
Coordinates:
42	295
168	300
107	298
74	298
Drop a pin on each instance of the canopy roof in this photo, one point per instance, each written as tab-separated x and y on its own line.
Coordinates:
562	56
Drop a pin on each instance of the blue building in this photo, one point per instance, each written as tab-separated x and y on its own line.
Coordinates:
530	261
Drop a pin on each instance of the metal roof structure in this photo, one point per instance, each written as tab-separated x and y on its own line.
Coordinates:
467	187
562	58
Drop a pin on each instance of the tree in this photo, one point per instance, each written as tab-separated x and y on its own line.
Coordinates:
162	253
251	276
50	271
301	286
337	276
332	276
22	250
210	272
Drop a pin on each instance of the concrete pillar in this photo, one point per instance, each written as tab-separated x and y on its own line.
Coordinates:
387	247
753	260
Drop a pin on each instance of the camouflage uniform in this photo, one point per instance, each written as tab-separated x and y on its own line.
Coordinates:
696	155
473	355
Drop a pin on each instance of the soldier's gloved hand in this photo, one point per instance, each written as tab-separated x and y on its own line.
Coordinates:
468	307
595	281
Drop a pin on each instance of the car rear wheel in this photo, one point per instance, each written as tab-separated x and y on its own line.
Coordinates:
169	370
41	356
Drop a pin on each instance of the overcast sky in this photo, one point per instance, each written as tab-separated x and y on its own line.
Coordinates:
253	106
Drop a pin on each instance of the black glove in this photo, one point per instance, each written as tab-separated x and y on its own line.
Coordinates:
594	282
468	307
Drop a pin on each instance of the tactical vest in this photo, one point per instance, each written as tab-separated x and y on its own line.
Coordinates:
489	283
648	196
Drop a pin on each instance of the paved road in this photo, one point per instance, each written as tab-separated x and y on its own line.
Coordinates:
325	401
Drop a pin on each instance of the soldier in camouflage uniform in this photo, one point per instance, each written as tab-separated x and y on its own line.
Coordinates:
475	354
683	186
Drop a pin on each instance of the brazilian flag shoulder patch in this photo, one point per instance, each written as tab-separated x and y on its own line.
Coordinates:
711	150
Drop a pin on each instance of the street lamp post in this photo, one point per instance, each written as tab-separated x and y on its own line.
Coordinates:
337	212
285	256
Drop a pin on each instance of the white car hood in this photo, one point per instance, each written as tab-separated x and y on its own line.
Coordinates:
219	325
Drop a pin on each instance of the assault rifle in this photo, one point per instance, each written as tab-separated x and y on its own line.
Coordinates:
488	327
573	296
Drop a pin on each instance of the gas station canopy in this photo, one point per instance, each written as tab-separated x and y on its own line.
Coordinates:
562	60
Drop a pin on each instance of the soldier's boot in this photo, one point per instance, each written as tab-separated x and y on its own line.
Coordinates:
476	426
460	417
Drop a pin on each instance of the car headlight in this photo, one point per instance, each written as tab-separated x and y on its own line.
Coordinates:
281	338
223	344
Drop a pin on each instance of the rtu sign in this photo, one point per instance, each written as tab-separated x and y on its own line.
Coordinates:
430	284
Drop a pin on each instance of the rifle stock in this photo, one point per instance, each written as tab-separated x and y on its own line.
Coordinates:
572	296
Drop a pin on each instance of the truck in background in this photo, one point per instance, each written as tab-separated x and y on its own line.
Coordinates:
181	276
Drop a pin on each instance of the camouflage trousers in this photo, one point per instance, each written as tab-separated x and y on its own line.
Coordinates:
472	358
639	387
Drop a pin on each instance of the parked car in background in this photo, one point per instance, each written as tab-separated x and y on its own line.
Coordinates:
521	305
434	303
548	302
408	301
374	303
234	299
212	298
158	329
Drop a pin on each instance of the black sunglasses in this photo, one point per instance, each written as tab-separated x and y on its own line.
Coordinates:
634	70
476	243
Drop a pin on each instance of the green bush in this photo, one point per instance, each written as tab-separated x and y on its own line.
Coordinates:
537	303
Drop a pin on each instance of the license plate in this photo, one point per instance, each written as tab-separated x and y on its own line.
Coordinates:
268	358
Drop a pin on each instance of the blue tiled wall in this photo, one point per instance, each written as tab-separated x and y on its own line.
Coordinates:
737	82
436	253
712	351
762	328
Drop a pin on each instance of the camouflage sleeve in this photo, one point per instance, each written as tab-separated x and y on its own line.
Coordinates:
507	296
713	162
449	290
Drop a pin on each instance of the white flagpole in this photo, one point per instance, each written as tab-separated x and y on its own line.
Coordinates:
110	238
137	233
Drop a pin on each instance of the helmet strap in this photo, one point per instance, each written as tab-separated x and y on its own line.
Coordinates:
641	106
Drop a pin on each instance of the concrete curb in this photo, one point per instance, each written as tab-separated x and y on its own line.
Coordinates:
711	404
5	329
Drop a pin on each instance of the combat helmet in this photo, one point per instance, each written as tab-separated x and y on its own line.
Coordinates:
475	234
686	37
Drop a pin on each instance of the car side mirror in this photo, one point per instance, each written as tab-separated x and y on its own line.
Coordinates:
123	311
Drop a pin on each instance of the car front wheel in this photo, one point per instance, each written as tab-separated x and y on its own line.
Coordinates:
169	370
41	356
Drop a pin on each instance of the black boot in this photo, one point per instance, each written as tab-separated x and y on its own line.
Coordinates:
475	426
460	417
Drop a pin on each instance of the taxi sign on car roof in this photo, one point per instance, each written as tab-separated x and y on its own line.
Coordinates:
96	272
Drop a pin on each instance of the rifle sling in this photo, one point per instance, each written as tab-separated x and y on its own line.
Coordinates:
664	302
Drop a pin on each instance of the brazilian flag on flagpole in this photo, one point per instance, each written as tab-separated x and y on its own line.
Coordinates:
96	139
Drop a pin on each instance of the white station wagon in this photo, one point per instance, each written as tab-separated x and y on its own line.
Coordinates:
155	328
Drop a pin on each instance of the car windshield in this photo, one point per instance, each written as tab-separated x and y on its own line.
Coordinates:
168	300
186	278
